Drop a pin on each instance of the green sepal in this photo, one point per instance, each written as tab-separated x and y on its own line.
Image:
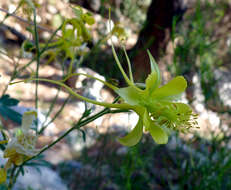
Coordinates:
130	95
158	134
171	90
134	136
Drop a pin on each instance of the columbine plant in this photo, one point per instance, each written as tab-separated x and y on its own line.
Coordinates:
156	105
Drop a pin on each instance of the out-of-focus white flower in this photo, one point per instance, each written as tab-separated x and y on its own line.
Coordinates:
22	146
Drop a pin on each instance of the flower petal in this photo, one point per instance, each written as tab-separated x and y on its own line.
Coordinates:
134	136
130	94
158	134
171	90
27	120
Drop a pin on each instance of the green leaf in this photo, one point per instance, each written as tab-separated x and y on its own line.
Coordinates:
8	101
134	136
6	111
171	90
130	94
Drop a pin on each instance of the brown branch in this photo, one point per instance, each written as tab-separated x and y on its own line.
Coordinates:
25	21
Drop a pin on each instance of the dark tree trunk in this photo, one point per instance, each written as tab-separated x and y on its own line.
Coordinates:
155	33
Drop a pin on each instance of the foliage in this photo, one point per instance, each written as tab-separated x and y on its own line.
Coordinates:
195	48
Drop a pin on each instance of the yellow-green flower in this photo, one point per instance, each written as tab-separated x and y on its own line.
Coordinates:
158	113
22	146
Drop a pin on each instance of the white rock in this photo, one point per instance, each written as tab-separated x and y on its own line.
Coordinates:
213	119
44	178
122	151
200	108
52	9
37	178
207	118
224	86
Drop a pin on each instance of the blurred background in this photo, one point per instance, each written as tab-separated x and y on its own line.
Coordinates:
187	37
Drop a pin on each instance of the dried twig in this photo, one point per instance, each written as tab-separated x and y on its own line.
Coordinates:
26	21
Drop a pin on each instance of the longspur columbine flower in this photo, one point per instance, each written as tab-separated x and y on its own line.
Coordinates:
158	113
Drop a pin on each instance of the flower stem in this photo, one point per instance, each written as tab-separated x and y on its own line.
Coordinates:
104	104
37	58
12	178
77	126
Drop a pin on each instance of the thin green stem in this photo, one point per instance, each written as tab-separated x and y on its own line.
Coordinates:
77	126
56	115
50	39
37	58
12	179
104	104
129	82
42	50
116	57
90	76
129	65
44	125
70	69
51	107
120	66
